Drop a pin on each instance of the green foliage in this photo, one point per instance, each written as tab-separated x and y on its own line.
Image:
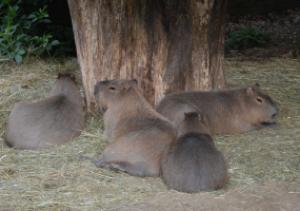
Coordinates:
19	31
246	37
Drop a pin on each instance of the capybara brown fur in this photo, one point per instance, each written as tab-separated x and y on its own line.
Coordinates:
227	111
193	163
138	134
51	121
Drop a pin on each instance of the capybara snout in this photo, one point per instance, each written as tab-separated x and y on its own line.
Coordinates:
261	108
100	85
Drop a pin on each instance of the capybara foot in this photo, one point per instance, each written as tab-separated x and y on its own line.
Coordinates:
134	170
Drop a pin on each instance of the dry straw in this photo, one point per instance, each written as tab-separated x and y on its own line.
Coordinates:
55	179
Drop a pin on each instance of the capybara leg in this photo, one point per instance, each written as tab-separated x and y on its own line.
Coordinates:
114	166
140	169
83	157
100	163
132	169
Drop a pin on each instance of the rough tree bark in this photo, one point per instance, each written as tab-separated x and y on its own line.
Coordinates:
168	45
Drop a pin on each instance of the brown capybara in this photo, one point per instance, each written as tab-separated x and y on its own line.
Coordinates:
138	134
52	121
193	163
228	111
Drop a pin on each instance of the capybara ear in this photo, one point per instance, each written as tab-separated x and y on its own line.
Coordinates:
66	75
250	90
129	84
203	118
73	77
191	115
196	115
134	81
253	89
59	75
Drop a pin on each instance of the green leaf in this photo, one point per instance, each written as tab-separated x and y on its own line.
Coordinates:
18	58
55	42
21	52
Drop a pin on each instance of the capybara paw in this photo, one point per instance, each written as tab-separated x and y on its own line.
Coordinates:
100	163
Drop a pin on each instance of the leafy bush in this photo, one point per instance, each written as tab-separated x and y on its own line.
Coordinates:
246	37
18	32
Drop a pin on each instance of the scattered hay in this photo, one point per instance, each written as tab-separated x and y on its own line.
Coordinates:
55	179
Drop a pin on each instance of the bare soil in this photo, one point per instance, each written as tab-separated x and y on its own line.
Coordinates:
271	196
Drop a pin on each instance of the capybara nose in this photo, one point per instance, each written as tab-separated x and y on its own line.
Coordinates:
274	115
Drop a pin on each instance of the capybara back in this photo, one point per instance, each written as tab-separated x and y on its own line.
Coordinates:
193	163
52	121
137	133
227	111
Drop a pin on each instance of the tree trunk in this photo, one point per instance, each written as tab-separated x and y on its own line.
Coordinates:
167	45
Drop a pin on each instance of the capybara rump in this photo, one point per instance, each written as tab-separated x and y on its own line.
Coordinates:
52	121
193	163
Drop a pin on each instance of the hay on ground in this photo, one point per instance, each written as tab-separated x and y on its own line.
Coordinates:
55	179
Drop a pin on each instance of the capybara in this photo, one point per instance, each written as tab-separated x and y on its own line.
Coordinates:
227	111
193	163
52	121
138	134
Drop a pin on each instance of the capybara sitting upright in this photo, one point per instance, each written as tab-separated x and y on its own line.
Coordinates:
52	121
138	134
193	163
228	111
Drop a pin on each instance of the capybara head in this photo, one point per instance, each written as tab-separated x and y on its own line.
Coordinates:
113	91
193	122
66	75
260	108
67	86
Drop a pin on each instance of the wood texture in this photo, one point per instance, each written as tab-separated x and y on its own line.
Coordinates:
167	45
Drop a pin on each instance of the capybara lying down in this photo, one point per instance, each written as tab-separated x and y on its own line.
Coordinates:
138	134
52	121
193	163
227	111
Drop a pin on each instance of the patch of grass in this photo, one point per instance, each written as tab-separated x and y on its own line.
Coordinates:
268	154
55	179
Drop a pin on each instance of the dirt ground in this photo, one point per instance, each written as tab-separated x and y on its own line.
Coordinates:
272	196
264	165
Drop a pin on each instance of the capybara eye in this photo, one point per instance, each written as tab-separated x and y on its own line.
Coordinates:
259	99
112	88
